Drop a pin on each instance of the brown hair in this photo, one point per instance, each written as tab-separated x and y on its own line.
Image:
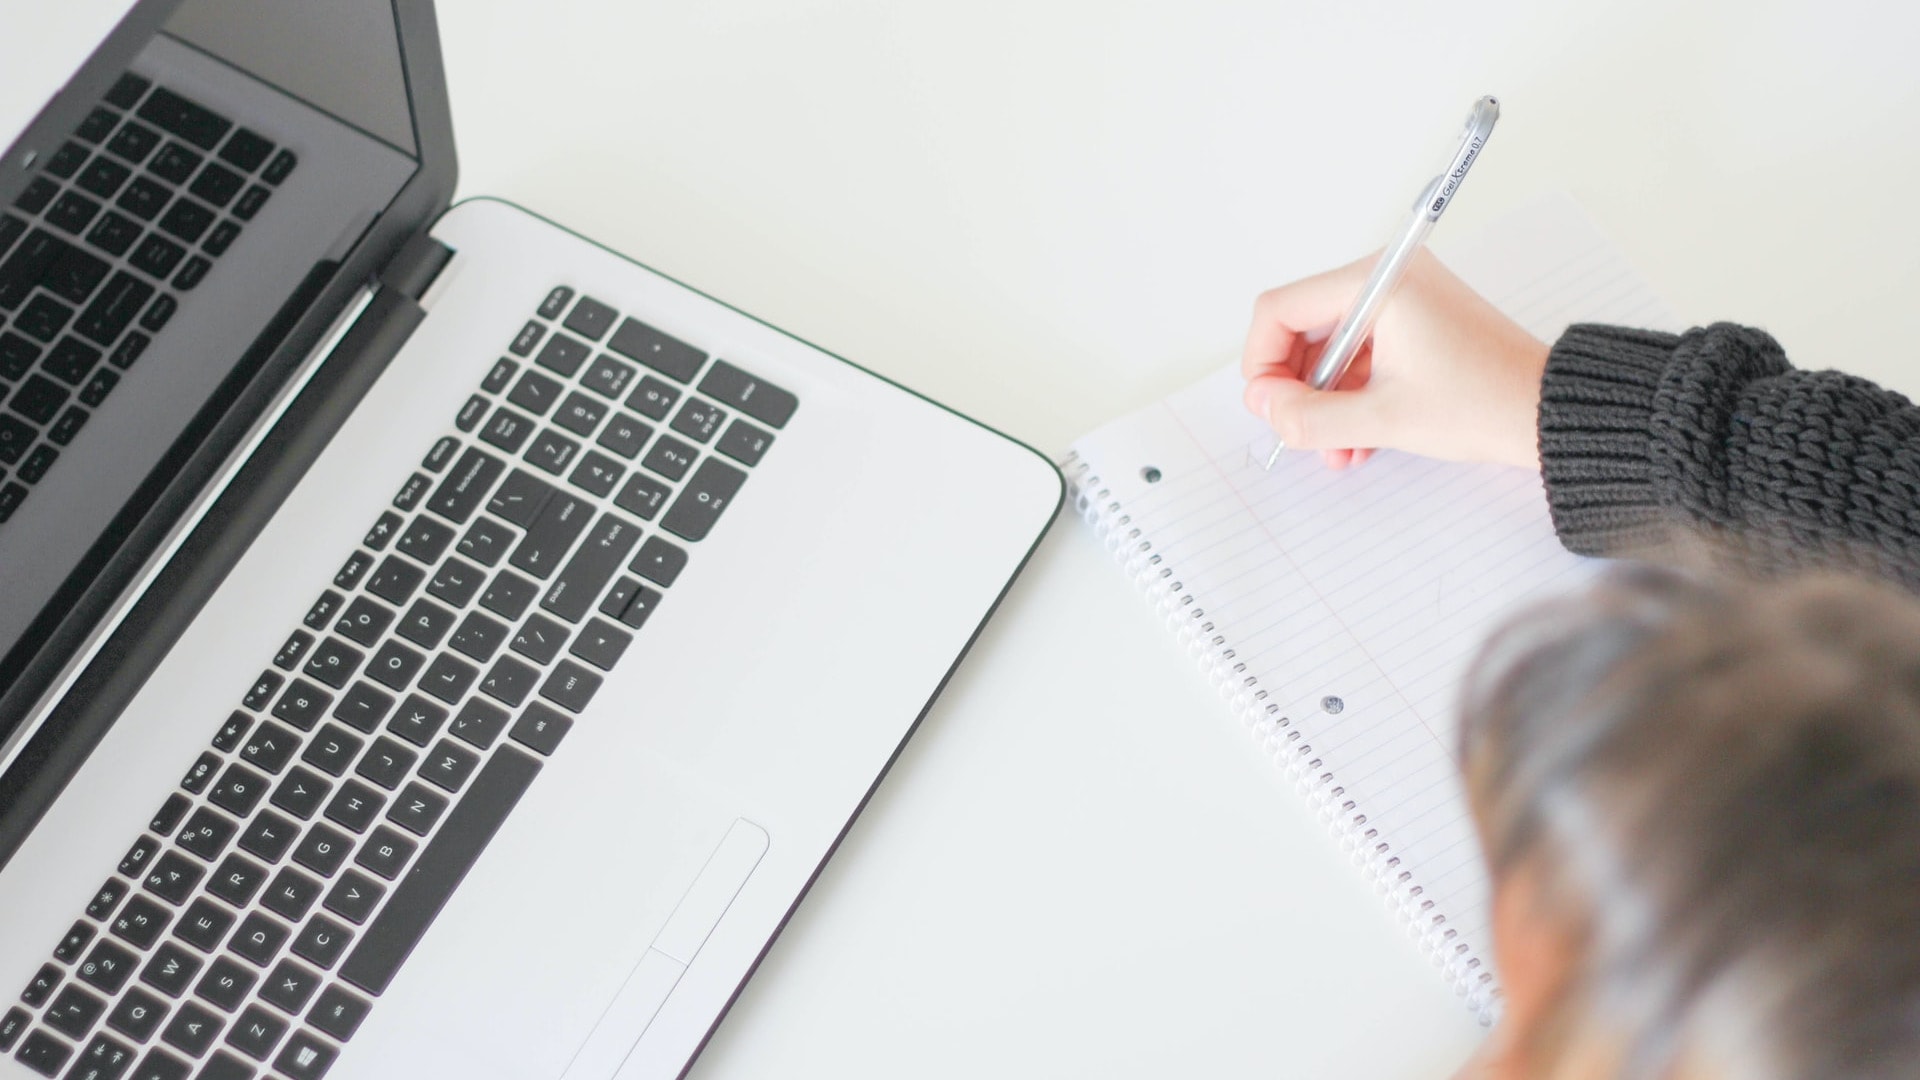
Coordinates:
1715	787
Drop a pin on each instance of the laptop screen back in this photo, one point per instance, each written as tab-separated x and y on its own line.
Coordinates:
154	259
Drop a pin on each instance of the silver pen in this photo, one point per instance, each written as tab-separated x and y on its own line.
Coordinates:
1352	332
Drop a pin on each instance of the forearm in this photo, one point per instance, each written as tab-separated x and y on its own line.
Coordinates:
1714	431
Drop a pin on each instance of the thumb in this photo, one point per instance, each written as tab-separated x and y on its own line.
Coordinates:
1309	419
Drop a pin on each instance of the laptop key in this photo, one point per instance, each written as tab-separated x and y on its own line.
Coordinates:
217	184
412	491
69	425
291	895
700	504
193	273
246	150
540	728
174	163
597	474
355	806
228	737
98	387
425	540
761	400
157	255
107	967
172	878
601	644
418	720
644	601
427	622
479	723
364	621
590	318
535	392
160	1065
225	984
391	936
698	419
268	835
289	986
415	810
113	308
240	790
12	1026
608	377
395	581
236	880
540	639
571	686
552	452
159	312
670	457
105	899
78	938
353	570
574	591
114	233
270	747
201	774
556	302
521	498
477	638
258	939
562	355
143	198
625	435
141	922
205	834
744	443
580	414
322	941
295	648
448	765
509	681
192	1030
522	345
133	142
265	687
322	610
301	793
204	926
323	849
250	203
386	851
257	1033
440	453
280	167
486	541
43	1053
75	274
42	986
448	678
642	496
338	1012
665	354
302	705
305	1057
189	120
463	489
550	535
138	856
138	1015
73	1011
653	398
507	430
333	750
659	561
386	763
470	413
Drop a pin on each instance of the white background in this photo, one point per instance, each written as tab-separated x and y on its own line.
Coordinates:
1049	213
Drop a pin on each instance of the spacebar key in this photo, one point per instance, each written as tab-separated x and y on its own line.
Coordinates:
391	936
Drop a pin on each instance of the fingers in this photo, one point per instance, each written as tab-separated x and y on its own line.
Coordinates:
1308	419
1282	316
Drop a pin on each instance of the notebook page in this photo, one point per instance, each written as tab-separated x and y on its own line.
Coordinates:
1345	606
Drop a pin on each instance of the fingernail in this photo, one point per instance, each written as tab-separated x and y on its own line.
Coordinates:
1256	397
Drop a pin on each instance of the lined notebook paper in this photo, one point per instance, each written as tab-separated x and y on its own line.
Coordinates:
1337	611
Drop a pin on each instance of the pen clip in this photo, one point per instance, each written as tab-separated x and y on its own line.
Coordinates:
1480	123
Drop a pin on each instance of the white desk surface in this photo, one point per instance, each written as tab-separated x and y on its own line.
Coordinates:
1047	213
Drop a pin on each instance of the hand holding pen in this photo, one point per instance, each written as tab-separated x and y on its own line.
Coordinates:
1442	373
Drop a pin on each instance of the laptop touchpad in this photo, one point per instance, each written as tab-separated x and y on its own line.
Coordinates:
657	972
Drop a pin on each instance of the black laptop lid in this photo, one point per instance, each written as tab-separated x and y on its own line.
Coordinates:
182	225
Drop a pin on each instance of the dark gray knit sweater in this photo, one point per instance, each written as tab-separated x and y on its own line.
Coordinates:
1713	430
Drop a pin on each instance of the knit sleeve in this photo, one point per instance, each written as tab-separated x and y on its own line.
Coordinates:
1713	430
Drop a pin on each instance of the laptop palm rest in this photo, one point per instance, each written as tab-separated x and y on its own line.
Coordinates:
659	968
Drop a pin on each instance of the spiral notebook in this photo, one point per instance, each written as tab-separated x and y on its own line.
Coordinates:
1338	611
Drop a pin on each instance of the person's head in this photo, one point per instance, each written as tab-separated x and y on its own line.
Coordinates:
1701	806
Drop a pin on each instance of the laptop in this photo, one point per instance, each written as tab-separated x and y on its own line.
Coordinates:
431	644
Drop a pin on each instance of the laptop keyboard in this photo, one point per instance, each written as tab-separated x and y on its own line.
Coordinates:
122	220
278	892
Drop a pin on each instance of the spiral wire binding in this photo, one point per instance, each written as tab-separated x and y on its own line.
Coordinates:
1470	977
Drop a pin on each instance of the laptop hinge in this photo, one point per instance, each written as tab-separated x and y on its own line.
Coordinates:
415	266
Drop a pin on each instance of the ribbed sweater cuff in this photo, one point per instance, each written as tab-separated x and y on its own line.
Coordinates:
1595	403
